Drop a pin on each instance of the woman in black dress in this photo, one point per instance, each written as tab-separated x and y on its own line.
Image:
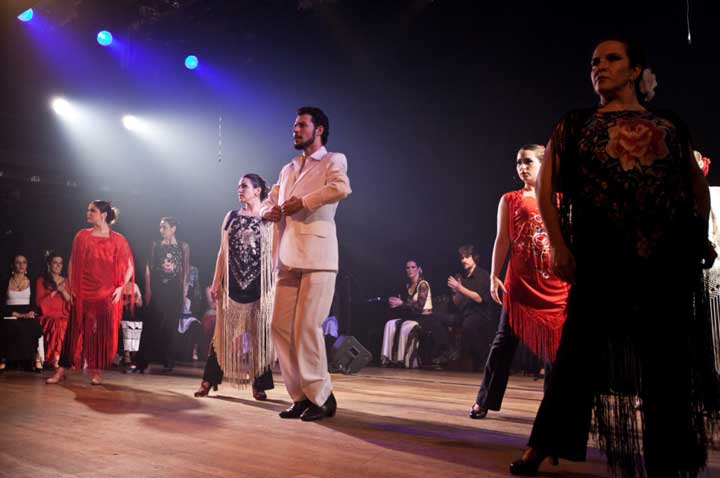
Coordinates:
166	282
626	210
20	329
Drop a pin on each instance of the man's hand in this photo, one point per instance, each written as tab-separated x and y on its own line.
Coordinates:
291	206
454	284
274	214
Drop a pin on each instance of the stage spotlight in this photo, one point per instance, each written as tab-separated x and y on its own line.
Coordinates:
191	62
61	106
104	38
130	122
26	16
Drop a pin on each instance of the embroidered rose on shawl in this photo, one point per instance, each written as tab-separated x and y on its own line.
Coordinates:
540	245
247	238
636	142
244	250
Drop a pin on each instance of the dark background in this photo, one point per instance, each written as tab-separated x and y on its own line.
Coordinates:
429	100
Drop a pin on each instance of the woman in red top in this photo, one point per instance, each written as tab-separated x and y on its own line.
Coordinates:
53	299
101	265
534	298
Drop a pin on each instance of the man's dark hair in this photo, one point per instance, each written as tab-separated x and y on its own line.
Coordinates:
319	118
468	250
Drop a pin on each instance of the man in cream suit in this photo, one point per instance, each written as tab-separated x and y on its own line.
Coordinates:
303	203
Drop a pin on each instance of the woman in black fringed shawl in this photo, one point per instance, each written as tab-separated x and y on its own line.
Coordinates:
626	208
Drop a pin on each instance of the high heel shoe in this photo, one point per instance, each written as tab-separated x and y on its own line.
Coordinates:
38	368
478	412
529	464
259	395
204	389
96	381
58	376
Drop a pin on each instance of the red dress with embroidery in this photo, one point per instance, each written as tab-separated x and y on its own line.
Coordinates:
54	319
535	299
99	265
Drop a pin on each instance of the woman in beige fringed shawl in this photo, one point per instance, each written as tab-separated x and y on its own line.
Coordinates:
243	286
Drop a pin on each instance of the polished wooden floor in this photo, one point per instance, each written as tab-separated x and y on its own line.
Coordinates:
390	423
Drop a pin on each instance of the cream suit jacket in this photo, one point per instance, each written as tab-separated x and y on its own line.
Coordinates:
307	240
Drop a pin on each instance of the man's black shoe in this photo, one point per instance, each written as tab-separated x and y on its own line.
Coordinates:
318	413
297	409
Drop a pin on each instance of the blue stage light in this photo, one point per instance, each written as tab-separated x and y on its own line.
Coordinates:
191	62
26	16
104	38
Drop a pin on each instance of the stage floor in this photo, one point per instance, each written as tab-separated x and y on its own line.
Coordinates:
390	423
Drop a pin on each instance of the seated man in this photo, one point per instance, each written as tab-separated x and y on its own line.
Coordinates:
471	295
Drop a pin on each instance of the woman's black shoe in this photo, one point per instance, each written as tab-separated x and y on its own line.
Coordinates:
529	467
478	412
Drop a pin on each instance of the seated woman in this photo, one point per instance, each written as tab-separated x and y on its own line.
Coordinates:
20	331
54	301
408	309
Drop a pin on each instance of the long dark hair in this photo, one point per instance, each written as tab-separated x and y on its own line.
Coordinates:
420	273
47	276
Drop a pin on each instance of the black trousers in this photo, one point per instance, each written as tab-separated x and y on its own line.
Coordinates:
497	368
477	335
671	434
159	336
562	423
213	374
434	327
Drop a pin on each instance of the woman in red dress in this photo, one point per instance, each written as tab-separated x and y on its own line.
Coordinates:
53	299
101	265
534	299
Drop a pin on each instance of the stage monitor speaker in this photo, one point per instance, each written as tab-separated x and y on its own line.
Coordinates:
348	355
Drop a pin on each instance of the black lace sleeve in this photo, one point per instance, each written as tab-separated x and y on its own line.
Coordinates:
565	140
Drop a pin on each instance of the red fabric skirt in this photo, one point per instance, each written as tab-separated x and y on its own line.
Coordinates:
95	337
54	332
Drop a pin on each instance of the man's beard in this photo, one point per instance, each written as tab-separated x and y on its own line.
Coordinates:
306	144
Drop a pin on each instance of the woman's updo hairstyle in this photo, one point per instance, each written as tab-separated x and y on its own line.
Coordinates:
258	182
106	206
537	149
169	220
636	57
